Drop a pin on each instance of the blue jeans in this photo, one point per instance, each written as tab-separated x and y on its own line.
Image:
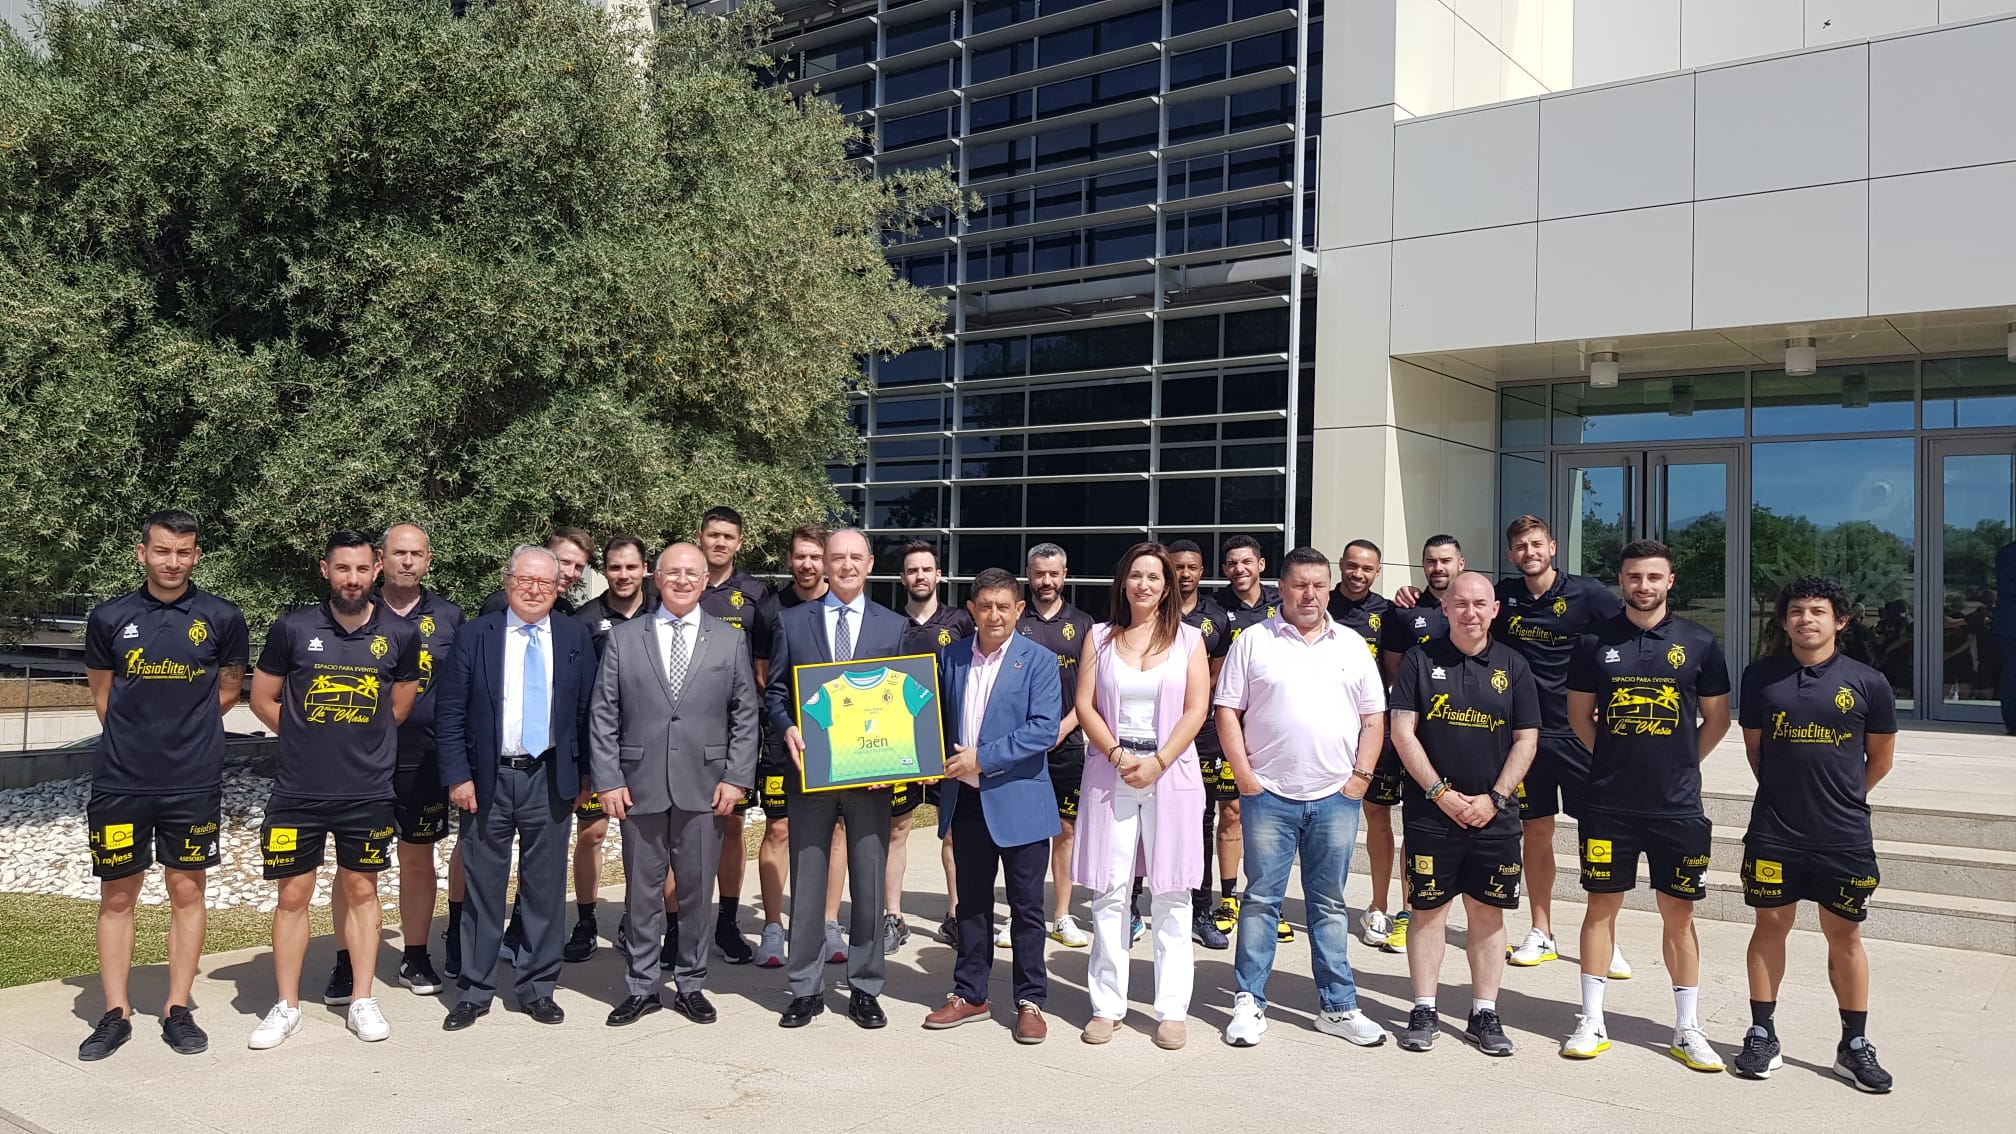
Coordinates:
1323	831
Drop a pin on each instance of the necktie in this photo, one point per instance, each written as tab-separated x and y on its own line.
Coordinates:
675	662
843	638
535	713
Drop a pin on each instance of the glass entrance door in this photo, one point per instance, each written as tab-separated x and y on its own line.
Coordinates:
1971	514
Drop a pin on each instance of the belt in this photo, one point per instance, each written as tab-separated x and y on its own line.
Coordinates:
523	763
1138	745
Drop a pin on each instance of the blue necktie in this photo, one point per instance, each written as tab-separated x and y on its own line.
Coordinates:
843	639
535	713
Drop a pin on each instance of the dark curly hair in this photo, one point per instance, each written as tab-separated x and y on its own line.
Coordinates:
1813	586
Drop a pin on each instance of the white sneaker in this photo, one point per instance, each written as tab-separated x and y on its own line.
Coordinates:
367	1021
1353	1027
1620	969
1691	1046
281	1021
836	945
1377	925
770	953
1538	948
1004	937
1065	931
1588	1040
1249	1021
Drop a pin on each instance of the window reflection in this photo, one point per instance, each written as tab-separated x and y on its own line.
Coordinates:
1648	409
1834	399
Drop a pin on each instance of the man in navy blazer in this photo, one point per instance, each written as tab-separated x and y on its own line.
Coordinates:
510	722
1000	693
840	626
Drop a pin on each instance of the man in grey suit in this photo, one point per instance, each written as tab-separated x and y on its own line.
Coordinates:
672	742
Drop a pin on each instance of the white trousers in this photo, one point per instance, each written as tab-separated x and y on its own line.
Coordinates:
1175	966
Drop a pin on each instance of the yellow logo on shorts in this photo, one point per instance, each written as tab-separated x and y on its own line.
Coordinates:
199	632
1424	864
1499	681
1768	871
282	838
117	836
1844	699
773	785
1596	850
379	646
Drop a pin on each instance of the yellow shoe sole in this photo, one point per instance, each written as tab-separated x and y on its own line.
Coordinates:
1600	1049
1540	960
1682	1057
1284	932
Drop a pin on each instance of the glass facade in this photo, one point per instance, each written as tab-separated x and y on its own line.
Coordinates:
1129	322
1893	477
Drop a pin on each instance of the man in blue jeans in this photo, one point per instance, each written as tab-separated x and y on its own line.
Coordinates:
1302	718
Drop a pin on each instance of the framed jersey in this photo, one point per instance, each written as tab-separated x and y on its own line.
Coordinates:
870	721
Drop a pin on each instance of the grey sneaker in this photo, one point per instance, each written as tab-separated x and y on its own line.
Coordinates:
1487	1033
1760	1056
1419	1034
836	945
895	931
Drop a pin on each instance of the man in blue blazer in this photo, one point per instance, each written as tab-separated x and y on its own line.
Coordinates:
510	721
841	626
1000	693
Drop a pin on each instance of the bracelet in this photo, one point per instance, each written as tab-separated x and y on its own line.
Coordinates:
1362	774
1436	789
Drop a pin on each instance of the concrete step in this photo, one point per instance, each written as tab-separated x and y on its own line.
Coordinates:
1955	827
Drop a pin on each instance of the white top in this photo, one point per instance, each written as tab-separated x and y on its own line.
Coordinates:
517	632
1302	703
1139	690
662	623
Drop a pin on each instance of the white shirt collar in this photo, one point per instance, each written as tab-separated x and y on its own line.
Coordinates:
1286	629
858	606
513	623
691	618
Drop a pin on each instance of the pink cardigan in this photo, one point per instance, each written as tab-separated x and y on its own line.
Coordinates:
1178	862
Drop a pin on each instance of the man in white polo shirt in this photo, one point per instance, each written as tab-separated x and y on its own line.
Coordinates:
1302	718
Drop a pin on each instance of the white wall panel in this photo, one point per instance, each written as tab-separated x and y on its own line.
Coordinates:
1463	171
1720	31
1942	99
1624	39
1622	147
1830	21
1360	53
1953	11
1479	70
1627	273
1462	290
1942	240
1355	202
1424	56
1780	123
1785	257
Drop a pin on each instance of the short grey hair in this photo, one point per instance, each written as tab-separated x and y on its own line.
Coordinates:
414	524
1047	551
525	549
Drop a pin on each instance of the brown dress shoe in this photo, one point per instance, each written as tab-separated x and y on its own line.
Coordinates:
1030	1027
1171	1034
1100	1030
955	1011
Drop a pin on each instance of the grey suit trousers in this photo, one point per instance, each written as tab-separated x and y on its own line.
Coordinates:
525	805
687	843
813	815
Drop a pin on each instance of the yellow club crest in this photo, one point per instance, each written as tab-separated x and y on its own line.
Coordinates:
1372	621
199	631
1500	681
1677	656
1561	604
1844	699
736	600
1205	626
1070	631
944	636
427	625
379	646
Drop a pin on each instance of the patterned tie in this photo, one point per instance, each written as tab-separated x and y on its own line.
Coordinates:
843	638
535	711
675	662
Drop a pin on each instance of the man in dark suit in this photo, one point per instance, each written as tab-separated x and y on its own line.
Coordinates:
672	747
841	626
1000	696
510	723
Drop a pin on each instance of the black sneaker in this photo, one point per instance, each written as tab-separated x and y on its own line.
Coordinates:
112	1032
180	1033
948	931
1760	1056
513	943
339	990
416	972
734	947
1487	1033
668	955
451	950
582	944
1857	1063
1419	1034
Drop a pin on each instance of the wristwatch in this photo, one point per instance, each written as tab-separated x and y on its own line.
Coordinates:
1501	799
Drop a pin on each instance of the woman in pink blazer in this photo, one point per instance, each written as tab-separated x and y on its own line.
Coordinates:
1142	805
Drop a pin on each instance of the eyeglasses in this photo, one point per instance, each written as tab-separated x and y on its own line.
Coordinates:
681	573
533	583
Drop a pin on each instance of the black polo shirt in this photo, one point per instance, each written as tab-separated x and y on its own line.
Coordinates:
1064	635
162	734
337	738
436	620
947	624
1813	723
1215	625
1648	686
1407	628
1547	629
498	600
737	600
1368	616
1467	709
600	618
1243	614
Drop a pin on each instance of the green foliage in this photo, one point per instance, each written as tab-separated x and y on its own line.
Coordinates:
301	264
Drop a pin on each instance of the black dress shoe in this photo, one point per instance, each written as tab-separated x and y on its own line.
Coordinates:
866	1011
694	1006
634	1009
462	1015
542	1009
802	1009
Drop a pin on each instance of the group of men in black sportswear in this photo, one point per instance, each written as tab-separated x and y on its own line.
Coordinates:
1544	694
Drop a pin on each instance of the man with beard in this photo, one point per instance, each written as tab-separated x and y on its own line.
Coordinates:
420	800
1215	625
1060	628
1415	620
1543	614
623	570
734	597
1648	695
776	775
1354	604
1247	602
334	682
933	626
